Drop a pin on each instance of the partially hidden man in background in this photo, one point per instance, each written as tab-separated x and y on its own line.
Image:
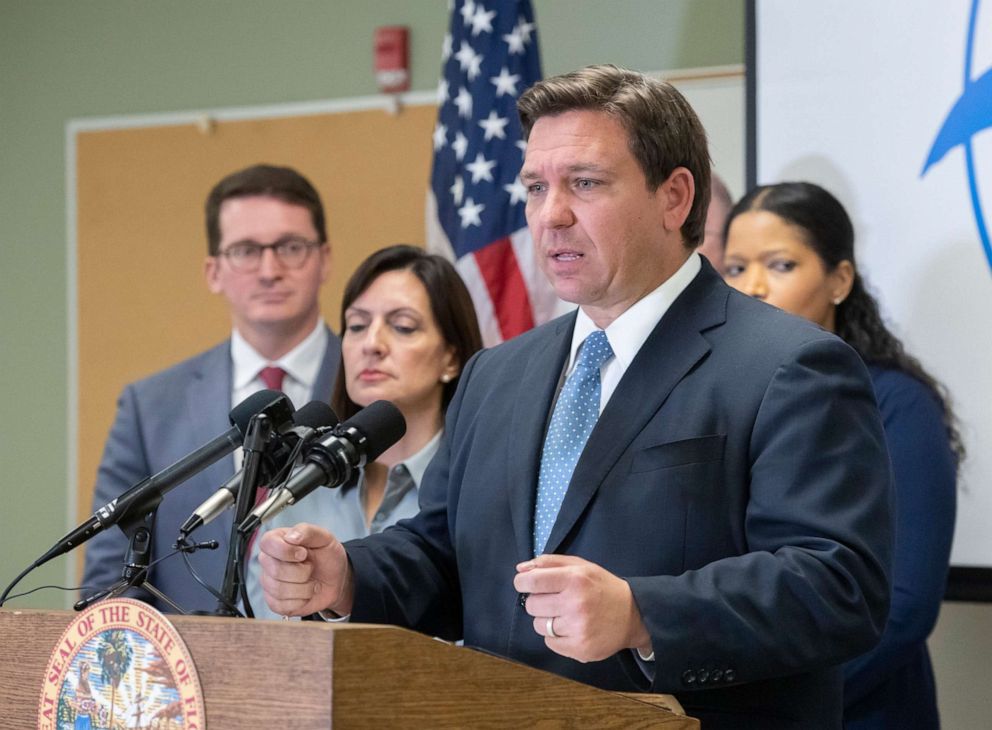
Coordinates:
675	489
268	256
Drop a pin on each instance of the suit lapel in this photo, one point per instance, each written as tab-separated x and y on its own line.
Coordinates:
670	352
208	403
208	397
530	417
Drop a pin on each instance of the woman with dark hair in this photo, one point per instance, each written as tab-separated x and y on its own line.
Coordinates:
792	245
408	327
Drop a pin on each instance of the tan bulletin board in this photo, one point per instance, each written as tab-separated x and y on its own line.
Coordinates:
142	303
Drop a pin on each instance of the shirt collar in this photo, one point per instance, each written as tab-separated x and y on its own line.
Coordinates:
416	464
302	363
413	466
628	332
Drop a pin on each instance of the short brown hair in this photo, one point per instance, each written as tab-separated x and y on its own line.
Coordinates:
450	301
281	183
663	130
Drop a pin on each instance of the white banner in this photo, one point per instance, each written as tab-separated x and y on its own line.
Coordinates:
858	97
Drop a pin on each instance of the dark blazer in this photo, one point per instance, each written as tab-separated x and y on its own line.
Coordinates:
160	420
892	686
737	478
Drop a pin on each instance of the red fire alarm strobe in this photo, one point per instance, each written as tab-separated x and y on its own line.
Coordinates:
392	58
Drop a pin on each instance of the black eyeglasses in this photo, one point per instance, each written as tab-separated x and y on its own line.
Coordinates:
247	255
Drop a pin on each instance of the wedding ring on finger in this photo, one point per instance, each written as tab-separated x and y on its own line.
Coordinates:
550	627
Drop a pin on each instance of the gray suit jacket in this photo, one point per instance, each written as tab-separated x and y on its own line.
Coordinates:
737	478
161	419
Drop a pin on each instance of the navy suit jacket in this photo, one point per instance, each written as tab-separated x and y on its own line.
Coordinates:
161	419
737	478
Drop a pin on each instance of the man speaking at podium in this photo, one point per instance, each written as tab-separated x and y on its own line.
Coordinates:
676	489
268	257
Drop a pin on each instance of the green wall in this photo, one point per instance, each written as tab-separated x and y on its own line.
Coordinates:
65	59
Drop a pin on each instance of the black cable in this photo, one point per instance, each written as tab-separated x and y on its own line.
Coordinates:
5	597
282	476
40	588
242	586
186	548
17	580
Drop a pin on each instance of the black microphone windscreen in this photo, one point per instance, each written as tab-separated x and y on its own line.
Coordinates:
315	414
382	425
274	403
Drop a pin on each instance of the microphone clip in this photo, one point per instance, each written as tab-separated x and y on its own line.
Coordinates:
182	545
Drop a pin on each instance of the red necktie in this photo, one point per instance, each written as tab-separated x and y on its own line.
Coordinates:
272	377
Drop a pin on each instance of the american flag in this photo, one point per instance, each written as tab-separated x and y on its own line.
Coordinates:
475	208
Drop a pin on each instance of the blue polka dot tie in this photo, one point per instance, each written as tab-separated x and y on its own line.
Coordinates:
574	416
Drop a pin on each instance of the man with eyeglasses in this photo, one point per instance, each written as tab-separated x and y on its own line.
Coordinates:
268	256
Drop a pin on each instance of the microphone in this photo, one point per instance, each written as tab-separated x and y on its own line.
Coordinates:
331	460
145	496
314	415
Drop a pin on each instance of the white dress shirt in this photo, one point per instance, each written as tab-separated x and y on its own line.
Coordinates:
628	332
301	364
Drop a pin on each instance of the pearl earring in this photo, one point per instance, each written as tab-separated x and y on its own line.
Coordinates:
446	378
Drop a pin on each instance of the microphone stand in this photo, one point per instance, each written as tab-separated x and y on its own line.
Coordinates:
257	438
135	574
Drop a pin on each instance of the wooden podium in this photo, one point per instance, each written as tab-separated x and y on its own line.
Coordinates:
275	674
